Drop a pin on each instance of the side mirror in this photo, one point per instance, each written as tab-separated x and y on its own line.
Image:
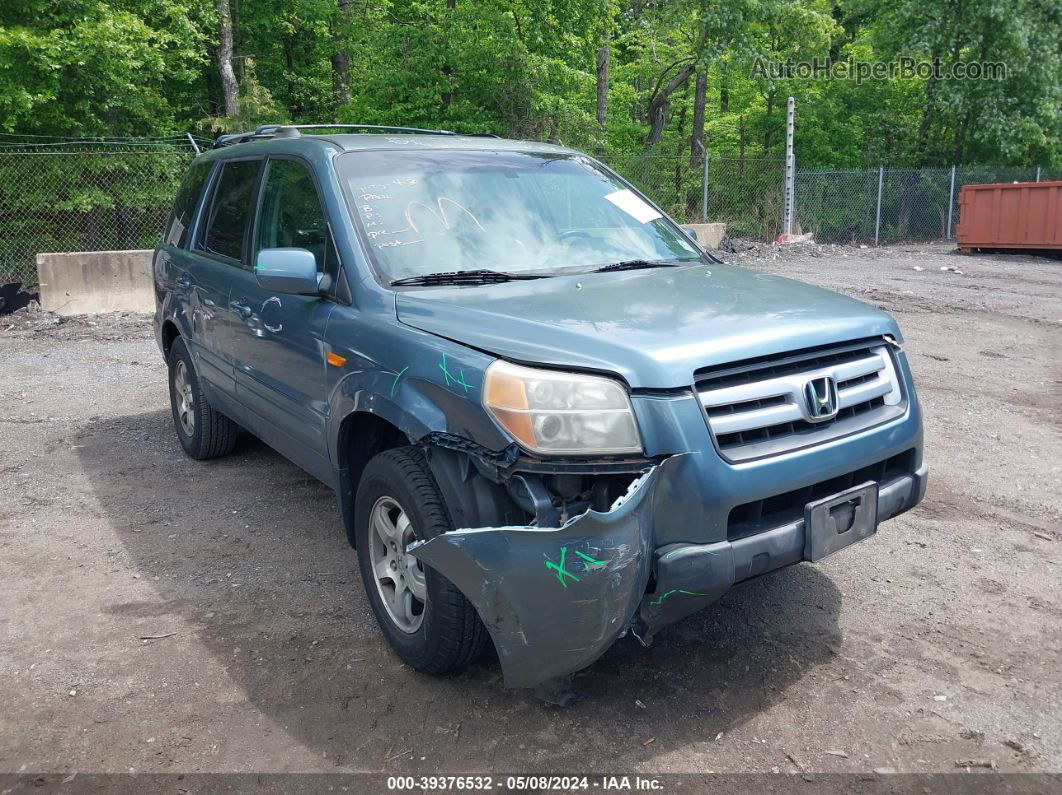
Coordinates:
287	270
691	232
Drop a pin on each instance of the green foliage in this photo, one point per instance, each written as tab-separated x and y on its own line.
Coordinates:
94	68
527	69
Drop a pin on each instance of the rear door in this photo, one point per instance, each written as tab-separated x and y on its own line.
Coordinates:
219	257
280	356
173	269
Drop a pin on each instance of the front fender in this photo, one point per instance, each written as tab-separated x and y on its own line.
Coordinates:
420	386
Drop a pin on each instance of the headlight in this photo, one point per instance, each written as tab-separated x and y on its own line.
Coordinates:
553	412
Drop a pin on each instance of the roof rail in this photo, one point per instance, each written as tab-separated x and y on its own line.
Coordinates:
236	138
292	131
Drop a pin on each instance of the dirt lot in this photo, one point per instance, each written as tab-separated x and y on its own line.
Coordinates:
158	614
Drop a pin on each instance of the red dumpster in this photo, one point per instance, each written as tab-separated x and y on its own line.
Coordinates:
1010	215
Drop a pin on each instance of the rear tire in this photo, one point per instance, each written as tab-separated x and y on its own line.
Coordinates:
399	501
202	431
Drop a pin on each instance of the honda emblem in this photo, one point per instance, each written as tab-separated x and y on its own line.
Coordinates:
820	395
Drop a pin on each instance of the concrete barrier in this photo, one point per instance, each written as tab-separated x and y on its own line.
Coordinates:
88	282
708	235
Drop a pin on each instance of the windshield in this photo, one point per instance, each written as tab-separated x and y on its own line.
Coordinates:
442	211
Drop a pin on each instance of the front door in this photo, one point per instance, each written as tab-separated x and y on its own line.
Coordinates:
280	354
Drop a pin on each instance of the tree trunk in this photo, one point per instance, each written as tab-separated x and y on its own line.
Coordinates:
679	145
341	56
724	95
92	229
447	70
927	121
603	56
294	109
658	103
767	117
223	57
960	136
697	137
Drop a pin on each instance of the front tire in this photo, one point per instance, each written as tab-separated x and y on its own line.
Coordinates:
203	432
427	621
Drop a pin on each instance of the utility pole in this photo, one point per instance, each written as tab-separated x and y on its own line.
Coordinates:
877	222
790	169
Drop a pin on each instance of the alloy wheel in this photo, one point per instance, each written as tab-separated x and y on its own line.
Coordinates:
399	576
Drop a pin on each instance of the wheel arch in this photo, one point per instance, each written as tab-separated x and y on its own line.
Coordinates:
362	435
169	333
375	410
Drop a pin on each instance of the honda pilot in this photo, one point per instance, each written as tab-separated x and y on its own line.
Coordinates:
549	416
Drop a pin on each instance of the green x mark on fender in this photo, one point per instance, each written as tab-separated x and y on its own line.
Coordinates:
559	568
594	562
459	380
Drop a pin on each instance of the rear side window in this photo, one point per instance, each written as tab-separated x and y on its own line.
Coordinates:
231	209
292	216
179	227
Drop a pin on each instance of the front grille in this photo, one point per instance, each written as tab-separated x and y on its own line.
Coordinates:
758	408
759	515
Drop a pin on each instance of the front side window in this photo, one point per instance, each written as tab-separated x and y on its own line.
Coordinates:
178	229
231	209
292	216
436	211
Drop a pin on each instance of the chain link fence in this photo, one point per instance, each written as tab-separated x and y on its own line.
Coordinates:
83	196
103	195
860	205
891	205
744	193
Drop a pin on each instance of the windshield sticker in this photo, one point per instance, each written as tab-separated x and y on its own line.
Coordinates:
635	207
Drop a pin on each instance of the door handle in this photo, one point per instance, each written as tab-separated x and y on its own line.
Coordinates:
184	281
239	306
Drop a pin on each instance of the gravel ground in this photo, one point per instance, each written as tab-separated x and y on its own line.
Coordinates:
162	615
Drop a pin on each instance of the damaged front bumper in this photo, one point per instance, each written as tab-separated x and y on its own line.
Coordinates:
555	599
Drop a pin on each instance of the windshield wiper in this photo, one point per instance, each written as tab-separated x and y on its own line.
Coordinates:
637	264
463	277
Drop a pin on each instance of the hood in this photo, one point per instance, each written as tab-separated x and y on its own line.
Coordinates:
653	328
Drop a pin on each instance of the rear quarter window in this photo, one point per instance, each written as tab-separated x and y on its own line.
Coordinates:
178	229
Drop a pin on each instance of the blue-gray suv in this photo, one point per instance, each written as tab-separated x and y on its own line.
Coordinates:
550	417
